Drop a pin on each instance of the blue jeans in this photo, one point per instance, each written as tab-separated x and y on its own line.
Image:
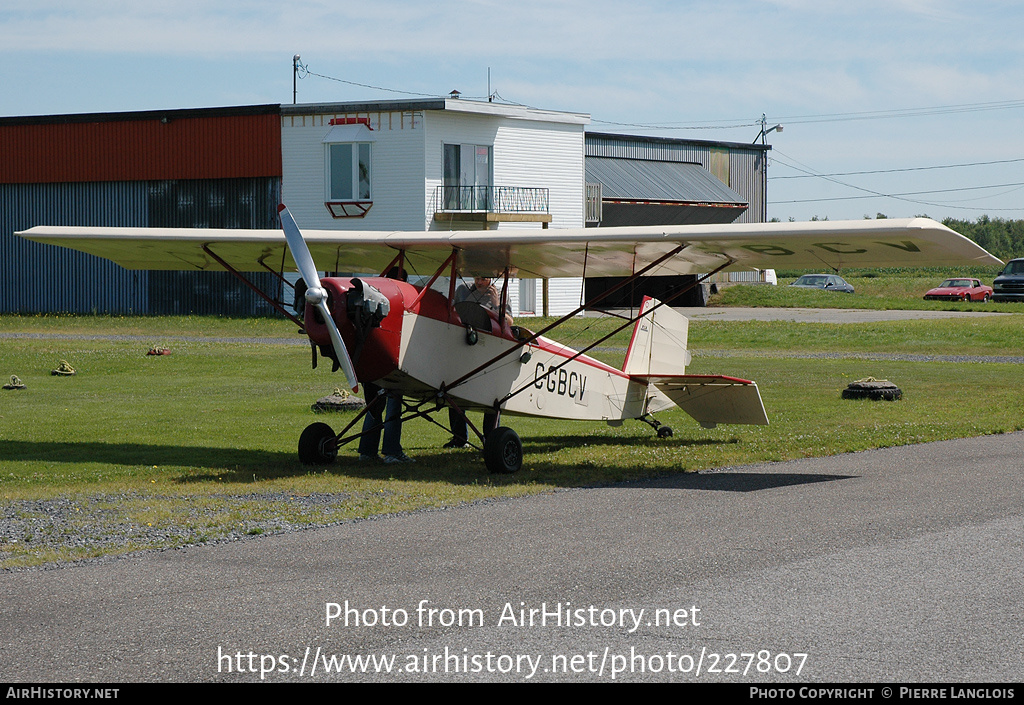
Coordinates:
391	406
460	431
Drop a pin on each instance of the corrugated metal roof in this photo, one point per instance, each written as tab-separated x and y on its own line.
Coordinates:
598	141
167	115
664	182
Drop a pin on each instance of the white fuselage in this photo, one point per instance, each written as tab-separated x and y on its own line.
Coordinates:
435	354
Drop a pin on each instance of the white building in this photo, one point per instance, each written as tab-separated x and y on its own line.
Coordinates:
438	164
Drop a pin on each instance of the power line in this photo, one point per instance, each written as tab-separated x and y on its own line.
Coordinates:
909	193
904	112
304	71
894	171
897	196
828	117
712	125
734	123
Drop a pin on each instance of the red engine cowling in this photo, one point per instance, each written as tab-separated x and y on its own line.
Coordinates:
374	348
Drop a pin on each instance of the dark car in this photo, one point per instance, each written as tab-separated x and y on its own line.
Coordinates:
960	289
1009	285
828	282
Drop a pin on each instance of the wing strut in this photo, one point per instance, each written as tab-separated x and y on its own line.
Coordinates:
433	279
580	309
625	325
259	292
398	261
503	308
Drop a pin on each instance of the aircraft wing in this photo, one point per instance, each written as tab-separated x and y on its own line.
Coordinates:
617	251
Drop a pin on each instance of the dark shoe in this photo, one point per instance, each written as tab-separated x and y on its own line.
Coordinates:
456	443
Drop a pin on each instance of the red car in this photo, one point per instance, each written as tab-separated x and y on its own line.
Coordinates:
960	289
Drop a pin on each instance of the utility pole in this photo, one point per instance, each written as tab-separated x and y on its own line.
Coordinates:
763	136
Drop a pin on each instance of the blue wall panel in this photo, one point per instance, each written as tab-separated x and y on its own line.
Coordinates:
37	278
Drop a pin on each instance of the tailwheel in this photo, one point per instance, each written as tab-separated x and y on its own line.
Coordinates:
318	445
661	429
503	451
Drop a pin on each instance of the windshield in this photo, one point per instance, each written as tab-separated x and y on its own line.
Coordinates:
956	283
811	280
1015	267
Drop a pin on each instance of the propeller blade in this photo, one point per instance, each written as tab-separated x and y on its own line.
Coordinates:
316	294
339	344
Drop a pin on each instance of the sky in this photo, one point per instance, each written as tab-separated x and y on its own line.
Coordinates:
902	107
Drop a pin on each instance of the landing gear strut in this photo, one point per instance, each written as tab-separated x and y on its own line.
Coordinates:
662	430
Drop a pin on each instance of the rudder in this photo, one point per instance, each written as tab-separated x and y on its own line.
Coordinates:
658	345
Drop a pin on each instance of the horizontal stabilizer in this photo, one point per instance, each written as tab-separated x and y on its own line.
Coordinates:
713	399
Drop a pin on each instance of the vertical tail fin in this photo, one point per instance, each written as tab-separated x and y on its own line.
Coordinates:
658	346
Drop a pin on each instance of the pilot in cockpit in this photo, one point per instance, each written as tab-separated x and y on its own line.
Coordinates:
484	294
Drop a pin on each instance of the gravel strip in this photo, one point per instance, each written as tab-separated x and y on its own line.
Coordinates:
85	524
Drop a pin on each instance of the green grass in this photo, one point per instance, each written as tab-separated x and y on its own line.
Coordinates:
200	444
984	335
153	328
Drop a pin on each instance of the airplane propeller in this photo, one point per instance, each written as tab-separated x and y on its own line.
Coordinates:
316	294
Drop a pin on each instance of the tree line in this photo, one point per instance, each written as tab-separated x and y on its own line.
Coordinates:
1003	238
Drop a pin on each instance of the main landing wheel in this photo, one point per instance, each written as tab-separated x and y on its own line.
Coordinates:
503	451
664	432
318	445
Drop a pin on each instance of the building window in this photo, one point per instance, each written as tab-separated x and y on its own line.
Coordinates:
468	172
347	168
348	172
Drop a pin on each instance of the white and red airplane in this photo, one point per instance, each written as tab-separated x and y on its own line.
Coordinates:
436	352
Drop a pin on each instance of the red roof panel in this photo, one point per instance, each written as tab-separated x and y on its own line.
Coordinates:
141	147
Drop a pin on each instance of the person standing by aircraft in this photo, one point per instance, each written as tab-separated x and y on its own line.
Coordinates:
386	404
389	404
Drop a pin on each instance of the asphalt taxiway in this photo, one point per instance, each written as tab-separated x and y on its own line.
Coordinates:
893	565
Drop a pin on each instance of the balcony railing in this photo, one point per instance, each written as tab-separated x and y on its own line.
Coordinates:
490	199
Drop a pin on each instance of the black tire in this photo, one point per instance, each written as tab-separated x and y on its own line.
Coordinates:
503	451
985	299
888	395
318	445
878	394
664	432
